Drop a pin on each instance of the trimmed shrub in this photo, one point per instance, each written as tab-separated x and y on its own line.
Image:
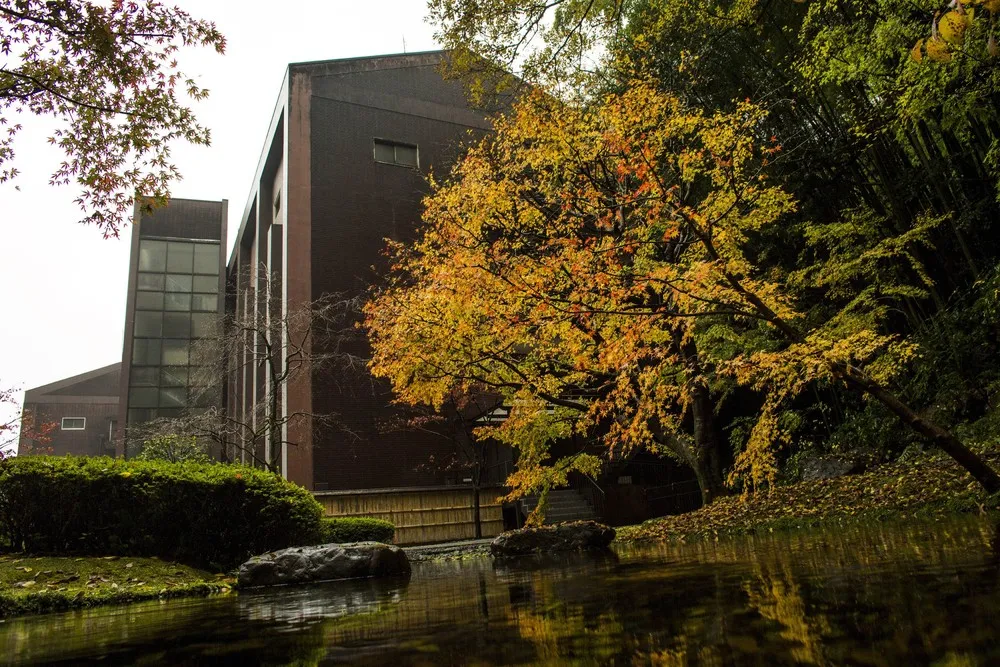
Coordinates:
174	448
357	529
208	515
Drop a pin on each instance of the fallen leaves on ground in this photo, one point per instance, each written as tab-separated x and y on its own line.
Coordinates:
925	485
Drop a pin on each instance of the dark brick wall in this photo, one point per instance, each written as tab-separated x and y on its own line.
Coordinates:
102	385
356	204
93	441
184	218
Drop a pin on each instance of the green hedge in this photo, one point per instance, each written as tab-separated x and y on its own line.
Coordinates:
209	515
357	529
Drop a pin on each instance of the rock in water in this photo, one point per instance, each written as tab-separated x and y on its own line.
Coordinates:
574	536
324	562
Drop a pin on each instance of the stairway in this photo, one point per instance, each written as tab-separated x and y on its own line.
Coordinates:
564	505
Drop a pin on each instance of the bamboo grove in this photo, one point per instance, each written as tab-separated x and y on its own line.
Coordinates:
729	232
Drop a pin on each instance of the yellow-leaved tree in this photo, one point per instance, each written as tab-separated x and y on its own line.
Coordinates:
591	267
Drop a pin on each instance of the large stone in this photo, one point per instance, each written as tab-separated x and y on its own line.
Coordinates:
324	562
575	536
827	467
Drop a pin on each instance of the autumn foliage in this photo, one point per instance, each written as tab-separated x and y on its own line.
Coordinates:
723	231
590	259
108	74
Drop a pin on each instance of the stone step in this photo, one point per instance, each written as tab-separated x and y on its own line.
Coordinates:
583	509
581	504
563	505
561	496
569	516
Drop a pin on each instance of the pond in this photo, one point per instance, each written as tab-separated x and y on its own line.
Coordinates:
885	594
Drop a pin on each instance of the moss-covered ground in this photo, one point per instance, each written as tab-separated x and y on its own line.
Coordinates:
925	485
31	585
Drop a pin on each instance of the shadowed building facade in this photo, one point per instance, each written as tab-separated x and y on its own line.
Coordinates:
344	168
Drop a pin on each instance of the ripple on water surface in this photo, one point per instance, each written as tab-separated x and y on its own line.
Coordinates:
888	594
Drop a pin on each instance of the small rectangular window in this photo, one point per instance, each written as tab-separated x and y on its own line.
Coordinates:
144	376
173	398
205	302
204	325
206	284
206	258
177	301
149	300
152	256
137	416
207	396
176	325
406	155
142	397
74	423
178	283
150	281
205	376
180	257
384	152
148	324
175	376
393	152
146	352
175	352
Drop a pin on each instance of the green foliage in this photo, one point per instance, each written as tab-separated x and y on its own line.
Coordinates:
207	515
886	136
357	529
173	448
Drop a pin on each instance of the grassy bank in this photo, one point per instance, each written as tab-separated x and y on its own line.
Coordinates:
31	585
927	485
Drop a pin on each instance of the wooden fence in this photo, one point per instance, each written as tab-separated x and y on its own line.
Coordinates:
421	515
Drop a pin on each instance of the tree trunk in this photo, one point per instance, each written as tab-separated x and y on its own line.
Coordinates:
706	454
863	383
476	480
948	443
705	462
273	432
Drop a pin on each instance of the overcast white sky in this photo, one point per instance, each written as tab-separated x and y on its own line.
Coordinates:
63	285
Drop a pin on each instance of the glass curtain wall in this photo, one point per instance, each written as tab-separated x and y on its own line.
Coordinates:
176	304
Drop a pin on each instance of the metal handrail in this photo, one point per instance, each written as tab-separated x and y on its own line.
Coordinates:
503	468
591	490
687	487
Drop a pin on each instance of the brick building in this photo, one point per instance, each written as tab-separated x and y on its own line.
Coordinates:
343	168
84	409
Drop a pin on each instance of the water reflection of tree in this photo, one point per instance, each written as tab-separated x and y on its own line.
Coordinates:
878	595
863	595
776	596
167	632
